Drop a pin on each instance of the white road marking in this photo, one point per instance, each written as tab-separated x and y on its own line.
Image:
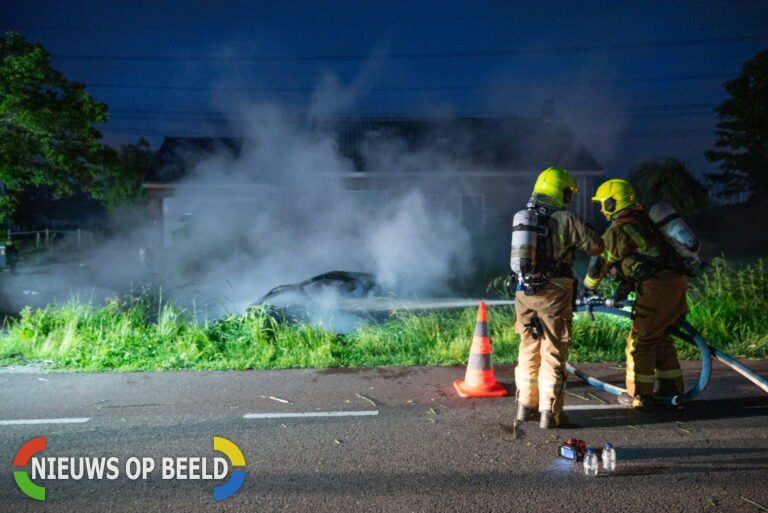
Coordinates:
595	407
310	414
77	420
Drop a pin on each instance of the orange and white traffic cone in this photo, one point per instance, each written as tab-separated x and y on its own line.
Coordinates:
479	380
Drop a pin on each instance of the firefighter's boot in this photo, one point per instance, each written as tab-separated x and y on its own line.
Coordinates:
525	412
642	403
667	388
550	420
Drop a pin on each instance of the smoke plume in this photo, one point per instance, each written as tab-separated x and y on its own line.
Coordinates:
281	212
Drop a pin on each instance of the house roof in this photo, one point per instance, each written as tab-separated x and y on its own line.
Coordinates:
178	155
489	144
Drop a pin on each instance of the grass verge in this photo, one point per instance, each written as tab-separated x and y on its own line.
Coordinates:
727	306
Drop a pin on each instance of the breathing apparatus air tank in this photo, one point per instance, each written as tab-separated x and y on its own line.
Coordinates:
675	230
523	255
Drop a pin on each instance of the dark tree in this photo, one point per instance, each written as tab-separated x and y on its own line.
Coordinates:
124	174
668	181
47	126
742	135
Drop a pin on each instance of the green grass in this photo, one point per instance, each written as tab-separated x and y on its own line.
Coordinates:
727	305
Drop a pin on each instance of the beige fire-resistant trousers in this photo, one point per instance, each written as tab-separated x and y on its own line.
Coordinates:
540	373
650	352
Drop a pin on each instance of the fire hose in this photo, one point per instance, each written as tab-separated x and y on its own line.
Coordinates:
684	331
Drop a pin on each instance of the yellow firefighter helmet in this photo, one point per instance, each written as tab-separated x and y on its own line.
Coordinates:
614	195
556	183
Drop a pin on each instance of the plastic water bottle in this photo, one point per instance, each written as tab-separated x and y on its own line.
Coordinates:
609	458
590	463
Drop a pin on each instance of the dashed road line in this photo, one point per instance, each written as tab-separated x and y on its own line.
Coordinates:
259	416
19	422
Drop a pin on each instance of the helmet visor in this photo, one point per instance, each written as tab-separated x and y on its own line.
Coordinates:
567	195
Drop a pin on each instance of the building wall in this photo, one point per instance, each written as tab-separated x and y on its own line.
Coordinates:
485	202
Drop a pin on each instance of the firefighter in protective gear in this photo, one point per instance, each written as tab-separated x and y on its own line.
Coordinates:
543	318
640	255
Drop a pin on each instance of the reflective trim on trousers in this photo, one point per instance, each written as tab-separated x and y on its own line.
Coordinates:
669	374
551	386
531	381
631	346
640	378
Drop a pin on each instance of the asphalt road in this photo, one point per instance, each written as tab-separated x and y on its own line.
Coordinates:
408	444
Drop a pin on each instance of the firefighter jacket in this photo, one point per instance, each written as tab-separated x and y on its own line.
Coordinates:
568	232
632	247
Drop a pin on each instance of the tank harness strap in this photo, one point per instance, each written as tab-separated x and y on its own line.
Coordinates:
670	217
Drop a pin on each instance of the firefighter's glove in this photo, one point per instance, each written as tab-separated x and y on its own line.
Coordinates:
623	290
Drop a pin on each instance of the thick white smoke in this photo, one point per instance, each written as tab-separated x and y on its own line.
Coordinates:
282	212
